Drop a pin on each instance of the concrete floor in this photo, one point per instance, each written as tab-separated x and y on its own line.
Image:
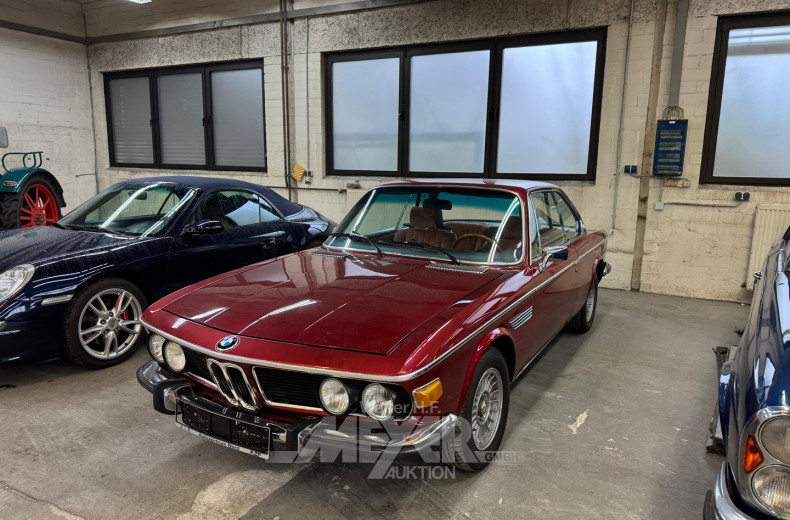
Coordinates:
611	424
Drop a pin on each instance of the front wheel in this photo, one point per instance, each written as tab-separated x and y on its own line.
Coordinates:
481	426
102	325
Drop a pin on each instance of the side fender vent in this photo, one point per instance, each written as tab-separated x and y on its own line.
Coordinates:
521	319
460	268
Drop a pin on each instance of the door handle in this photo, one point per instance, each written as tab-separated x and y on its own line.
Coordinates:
268	242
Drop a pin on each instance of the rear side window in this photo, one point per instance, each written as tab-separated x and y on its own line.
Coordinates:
235	208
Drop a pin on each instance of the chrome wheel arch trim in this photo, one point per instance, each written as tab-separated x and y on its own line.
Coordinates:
377	378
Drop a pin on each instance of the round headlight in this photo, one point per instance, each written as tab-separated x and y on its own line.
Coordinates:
772	487
377	402
775	437
155	346
12	281
334	396
174	355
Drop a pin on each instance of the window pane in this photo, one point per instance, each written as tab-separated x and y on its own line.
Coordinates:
549	224
231	208
569	222
546	108
237	115
753	125
449	97
130	109
365	114
181	119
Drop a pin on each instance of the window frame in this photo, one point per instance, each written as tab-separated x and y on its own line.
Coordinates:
496	46
566	242
723	28
208	130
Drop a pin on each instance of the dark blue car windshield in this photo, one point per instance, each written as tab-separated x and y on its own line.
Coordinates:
131	209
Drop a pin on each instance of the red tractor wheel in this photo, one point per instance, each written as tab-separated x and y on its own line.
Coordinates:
39	206
36	204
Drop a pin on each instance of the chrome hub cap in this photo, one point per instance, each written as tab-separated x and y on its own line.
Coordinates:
589	305
110	323
487	408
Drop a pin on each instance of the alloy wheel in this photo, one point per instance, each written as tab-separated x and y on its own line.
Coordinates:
110	324
487	408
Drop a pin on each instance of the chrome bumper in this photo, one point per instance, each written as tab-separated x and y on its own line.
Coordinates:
309	431
718	502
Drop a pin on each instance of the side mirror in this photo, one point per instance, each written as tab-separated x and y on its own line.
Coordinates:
3	137
204	227
553	253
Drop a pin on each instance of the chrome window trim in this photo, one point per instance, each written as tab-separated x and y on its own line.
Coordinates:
375	377
432	258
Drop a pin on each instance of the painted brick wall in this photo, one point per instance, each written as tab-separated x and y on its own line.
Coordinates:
697	245
45	104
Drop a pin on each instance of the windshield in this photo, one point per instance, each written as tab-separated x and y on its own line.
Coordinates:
469	225
140	209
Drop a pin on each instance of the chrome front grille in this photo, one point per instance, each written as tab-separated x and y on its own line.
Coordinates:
233	384
521	319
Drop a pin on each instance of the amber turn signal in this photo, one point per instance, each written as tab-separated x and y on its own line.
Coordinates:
752	456
428	394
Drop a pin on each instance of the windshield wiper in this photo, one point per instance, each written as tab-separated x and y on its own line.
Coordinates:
423	245
359	236
103	230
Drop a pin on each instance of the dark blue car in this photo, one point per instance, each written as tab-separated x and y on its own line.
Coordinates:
754	405
78	288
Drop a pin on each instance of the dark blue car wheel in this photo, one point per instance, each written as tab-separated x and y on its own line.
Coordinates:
102	326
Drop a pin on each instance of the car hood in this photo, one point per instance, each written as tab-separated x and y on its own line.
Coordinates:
364	304
36	245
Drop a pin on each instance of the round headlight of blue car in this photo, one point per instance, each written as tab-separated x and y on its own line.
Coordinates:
772	486
13	280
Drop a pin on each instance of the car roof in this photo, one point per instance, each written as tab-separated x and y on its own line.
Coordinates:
475	183
285	206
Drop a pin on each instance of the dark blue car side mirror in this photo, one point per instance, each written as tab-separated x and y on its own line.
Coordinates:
204	227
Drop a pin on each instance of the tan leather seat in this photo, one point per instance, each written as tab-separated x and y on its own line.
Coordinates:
511	236
426	225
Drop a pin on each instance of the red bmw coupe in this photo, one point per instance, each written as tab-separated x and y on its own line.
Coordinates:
409	323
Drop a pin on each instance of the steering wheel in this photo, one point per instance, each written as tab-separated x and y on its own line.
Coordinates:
477	235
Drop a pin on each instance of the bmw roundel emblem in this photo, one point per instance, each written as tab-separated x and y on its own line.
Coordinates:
227	343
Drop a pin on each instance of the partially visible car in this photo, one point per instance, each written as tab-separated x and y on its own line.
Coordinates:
754	405
80	286
412	320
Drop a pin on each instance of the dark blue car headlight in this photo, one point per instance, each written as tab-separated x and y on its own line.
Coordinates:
13	280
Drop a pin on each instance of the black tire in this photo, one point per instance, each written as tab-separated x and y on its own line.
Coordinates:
459	448
107	290
583	320
10	203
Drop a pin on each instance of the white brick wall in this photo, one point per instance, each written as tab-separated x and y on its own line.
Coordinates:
45	104
691	247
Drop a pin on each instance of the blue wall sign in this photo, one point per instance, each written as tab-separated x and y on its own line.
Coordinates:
670	147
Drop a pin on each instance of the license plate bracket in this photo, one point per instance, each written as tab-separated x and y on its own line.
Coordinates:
231	433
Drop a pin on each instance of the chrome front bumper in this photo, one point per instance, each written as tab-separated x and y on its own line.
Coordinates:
310	430
719	505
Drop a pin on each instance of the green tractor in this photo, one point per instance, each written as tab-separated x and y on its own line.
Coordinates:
29	194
